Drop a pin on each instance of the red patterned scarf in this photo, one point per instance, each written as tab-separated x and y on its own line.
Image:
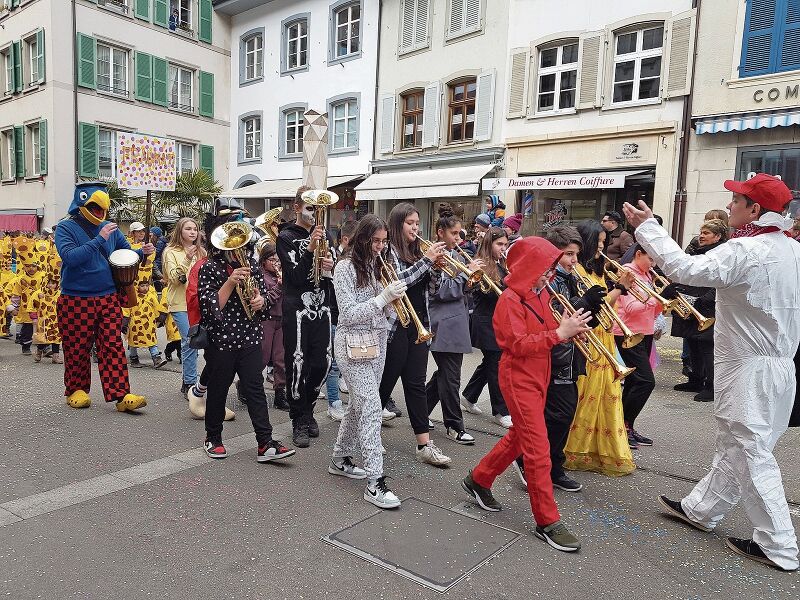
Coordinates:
752	230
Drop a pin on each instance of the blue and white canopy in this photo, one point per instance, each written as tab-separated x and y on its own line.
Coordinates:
744	121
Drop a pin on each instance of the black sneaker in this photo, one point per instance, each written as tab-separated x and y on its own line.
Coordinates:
559	537
483	496
705	395
519	467
749	549
313	428
688	386
159	361
632	443
640	439
280	400
273	450
300	435
567	484
675	509
392	407
185	390
214	449
133	361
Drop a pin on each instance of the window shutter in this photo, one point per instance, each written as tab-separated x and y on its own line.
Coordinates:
759	29
472	15
206	13
207	159
16	49
40	54
42	147
160	13
484	106
789	58
456	17
206	94
407	13
518	82
680	50
590	71
87	61
421	24
160	73
430	115
141	9
19	150
87	150
144	77
387	124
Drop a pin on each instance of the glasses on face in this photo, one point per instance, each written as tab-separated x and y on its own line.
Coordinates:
274	260
377	242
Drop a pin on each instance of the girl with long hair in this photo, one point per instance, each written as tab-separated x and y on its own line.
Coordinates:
183	251
405	358
597	440
363	308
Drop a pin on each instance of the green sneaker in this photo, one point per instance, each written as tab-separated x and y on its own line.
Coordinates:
483	496
558	536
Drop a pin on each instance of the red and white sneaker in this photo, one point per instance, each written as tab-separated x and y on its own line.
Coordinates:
215	450
273	450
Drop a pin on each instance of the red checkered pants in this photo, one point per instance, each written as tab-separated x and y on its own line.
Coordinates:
84	322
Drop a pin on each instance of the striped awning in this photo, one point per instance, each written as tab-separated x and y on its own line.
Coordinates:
743	121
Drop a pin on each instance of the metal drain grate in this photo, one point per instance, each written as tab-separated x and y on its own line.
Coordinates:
434	546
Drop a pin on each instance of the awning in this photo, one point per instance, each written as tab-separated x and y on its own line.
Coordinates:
426	183
281	188
16	222
743	121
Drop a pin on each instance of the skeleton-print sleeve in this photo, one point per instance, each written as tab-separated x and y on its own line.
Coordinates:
352	311
296	263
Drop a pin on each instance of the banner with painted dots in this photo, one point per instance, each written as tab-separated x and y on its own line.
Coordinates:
145	162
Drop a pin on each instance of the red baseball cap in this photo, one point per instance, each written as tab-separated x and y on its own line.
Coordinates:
768	191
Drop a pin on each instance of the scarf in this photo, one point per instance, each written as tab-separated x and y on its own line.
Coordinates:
752	230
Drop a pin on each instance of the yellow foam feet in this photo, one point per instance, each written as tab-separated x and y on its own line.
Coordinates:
131	402
197	407
79	399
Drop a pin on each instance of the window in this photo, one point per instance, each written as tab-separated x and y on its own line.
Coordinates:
120	5
414	25
252	138
7	154
783	161
181	11
294	132
637	64
185	158
345	125
8	71
413	103
254	57
297	44
462	110
771	41
346	31
180	85
558	78
33	148
112	70
107	153
32	55
464	17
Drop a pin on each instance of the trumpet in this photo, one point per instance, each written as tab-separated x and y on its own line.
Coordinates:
641	291
592	347
233	237
682	306
487	283
608	316
267	224
402	306
320	200
453	266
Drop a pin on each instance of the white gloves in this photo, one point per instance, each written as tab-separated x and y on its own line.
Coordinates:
392	292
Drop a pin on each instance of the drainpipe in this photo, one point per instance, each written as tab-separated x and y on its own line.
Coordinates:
679	205
375	108
75	85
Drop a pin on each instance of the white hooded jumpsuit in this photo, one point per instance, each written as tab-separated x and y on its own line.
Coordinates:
755	339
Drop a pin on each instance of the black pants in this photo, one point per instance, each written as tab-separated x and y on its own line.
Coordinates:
702	356
486	373
173	346
307	361
639	384
408	362
26	335
559	410
223	366
444	386
794	419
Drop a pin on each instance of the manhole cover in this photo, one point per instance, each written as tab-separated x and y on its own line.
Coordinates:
431	545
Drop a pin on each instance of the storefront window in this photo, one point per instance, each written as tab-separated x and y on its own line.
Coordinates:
784	162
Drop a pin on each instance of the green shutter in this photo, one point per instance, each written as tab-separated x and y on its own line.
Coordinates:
141	9
87	150
19	150
43	147
206	13
161	13
206	94
16	48
160	73
144	77
207	159
14	3
87	61
40	54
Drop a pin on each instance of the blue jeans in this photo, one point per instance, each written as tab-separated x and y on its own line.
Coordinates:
332	382
188	354
134	352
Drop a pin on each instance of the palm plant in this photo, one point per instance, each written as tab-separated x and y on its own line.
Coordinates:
193	196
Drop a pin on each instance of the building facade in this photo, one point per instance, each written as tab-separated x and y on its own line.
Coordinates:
593	106
290	57
155	67
745	106
440	94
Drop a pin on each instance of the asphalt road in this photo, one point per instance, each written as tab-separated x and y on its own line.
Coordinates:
97	504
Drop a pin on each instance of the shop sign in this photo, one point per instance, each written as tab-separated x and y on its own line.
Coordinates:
558	181
145	162
791	92
628	151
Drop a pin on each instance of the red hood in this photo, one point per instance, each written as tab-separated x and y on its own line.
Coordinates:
528	260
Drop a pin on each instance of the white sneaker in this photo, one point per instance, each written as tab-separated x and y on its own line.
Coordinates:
381	496
432	455
383	449
346	468
343	386
470	407
387	415
461	437
503	420
321	394
335	411
431	425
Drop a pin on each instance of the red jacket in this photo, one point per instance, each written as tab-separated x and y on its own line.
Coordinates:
192	302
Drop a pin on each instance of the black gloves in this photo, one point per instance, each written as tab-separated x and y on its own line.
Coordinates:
670	292
594	297
125	321
161	319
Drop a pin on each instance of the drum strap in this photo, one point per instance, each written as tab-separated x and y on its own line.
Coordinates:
89	236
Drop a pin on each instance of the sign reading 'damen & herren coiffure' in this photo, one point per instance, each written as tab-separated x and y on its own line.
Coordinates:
558	181
145	162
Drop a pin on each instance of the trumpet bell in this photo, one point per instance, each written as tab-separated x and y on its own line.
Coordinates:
632	340
621	372
320	198
705	323
231	235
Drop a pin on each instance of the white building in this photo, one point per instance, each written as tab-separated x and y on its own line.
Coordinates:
440	85
595	90
289	57
135	71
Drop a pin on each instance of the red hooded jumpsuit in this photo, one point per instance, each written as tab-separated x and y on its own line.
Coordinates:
526	332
